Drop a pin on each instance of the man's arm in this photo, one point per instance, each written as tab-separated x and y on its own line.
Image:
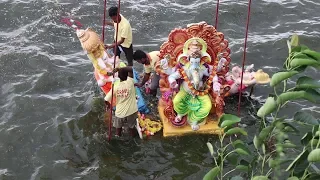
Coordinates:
146	77
115	44
127	68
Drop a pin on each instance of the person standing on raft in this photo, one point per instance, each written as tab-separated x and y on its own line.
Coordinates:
126	103
124	43
149	62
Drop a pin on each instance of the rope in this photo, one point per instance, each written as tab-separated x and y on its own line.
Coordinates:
217	14
104	19
114	66
244	54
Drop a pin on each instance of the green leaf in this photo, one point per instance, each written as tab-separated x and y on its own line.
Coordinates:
212	174
293	178
313	54
256	142
288	144
306	138
268	107
299	159
237	178
299	48
260	178
273	163
280	76
313	142
309	94
236	130
313	176
265	132
294	40
228	120
290	128
210	147
307	82
241	151
233	158
314	155
305	118
240	147
296	62
242	168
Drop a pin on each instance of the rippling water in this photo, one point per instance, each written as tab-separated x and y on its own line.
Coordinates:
49	128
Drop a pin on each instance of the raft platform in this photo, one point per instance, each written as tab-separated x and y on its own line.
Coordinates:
211	126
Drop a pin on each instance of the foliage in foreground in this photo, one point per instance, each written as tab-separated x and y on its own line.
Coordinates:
274	155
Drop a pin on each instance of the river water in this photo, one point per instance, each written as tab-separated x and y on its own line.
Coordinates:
51	124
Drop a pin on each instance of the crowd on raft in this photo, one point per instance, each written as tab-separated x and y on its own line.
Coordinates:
125	95
192	99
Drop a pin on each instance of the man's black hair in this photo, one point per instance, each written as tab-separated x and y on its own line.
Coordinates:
113	11
123	74
138	55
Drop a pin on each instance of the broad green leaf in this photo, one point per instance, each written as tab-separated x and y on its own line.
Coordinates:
241	151
314	155
296	62
294	40
314	176
305	118
256	142
293	178
288	144
265	132
287	96
307	82
237	178
299	48
210	147
242	168
300	167
273	163
309	94
290	128
260	178
236	130
306	138
280	76
241	148
313	142
233	158
268	107
238	142
315	55
228	120
300	158
212	174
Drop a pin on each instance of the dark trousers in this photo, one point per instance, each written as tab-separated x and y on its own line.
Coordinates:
128	53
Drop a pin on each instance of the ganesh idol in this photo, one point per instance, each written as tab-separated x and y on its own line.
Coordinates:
193	99
102	60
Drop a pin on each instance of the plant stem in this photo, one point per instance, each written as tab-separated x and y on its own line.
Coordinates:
269	172
263	163
229	172
284	85
228	154
305	174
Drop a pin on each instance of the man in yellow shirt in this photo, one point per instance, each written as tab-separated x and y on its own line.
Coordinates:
126	102
149	61
124	43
